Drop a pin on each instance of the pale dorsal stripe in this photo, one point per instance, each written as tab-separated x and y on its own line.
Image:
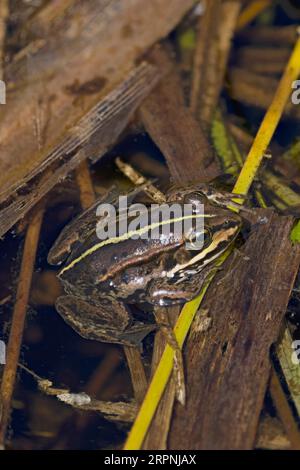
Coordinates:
127	235
219	237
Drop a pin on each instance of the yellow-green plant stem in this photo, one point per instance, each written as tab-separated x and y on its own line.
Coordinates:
247	174
251	11
269	123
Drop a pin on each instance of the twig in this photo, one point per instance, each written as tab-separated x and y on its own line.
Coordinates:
263	60
4	11
137	372
139	180
275	35
251	11
215	31
256	90
175	130
206	50
85	184
115	411
18	319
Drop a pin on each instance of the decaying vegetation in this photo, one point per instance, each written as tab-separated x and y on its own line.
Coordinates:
182	91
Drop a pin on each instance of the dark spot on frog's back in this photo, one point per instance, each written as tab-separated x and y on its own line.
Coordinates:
87	88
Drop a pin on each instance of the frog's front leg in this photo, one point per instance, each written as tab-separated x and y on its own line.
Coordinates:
109	321
162	320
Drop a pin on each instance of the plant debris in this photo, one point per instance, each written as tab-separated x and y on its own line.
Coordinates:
109	98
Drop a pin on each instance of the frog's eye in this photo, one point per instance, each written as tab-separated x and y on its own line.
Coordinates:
195	198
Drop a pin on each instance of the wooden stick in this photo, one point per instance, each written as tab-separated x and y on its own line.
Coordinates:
257	90
251	11
18	319
137	372
215	30
175	130
274	35
4	11
85	184
139	180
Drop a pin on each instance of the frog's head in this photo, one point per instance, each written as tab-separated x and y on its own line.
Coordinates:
221	228
221	225
197	193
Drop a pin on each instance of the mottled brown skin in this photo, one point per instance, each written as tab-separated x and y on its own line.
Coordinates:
101	286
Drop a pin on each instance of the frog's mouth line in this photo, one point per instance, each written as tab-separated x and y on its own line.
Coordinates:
220	242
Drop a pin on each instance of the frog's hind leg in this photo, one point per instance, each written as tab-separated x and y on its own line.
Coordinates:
162	319
110	322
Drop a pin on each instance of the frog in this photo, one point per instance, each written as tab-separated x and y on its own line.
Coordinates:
116	289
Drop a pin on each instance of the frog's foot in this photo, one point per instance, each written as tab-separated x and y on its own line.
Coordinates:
109	322
162	320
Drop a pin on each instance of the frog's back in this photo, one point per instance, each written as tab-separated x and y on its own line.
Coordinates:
97	260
